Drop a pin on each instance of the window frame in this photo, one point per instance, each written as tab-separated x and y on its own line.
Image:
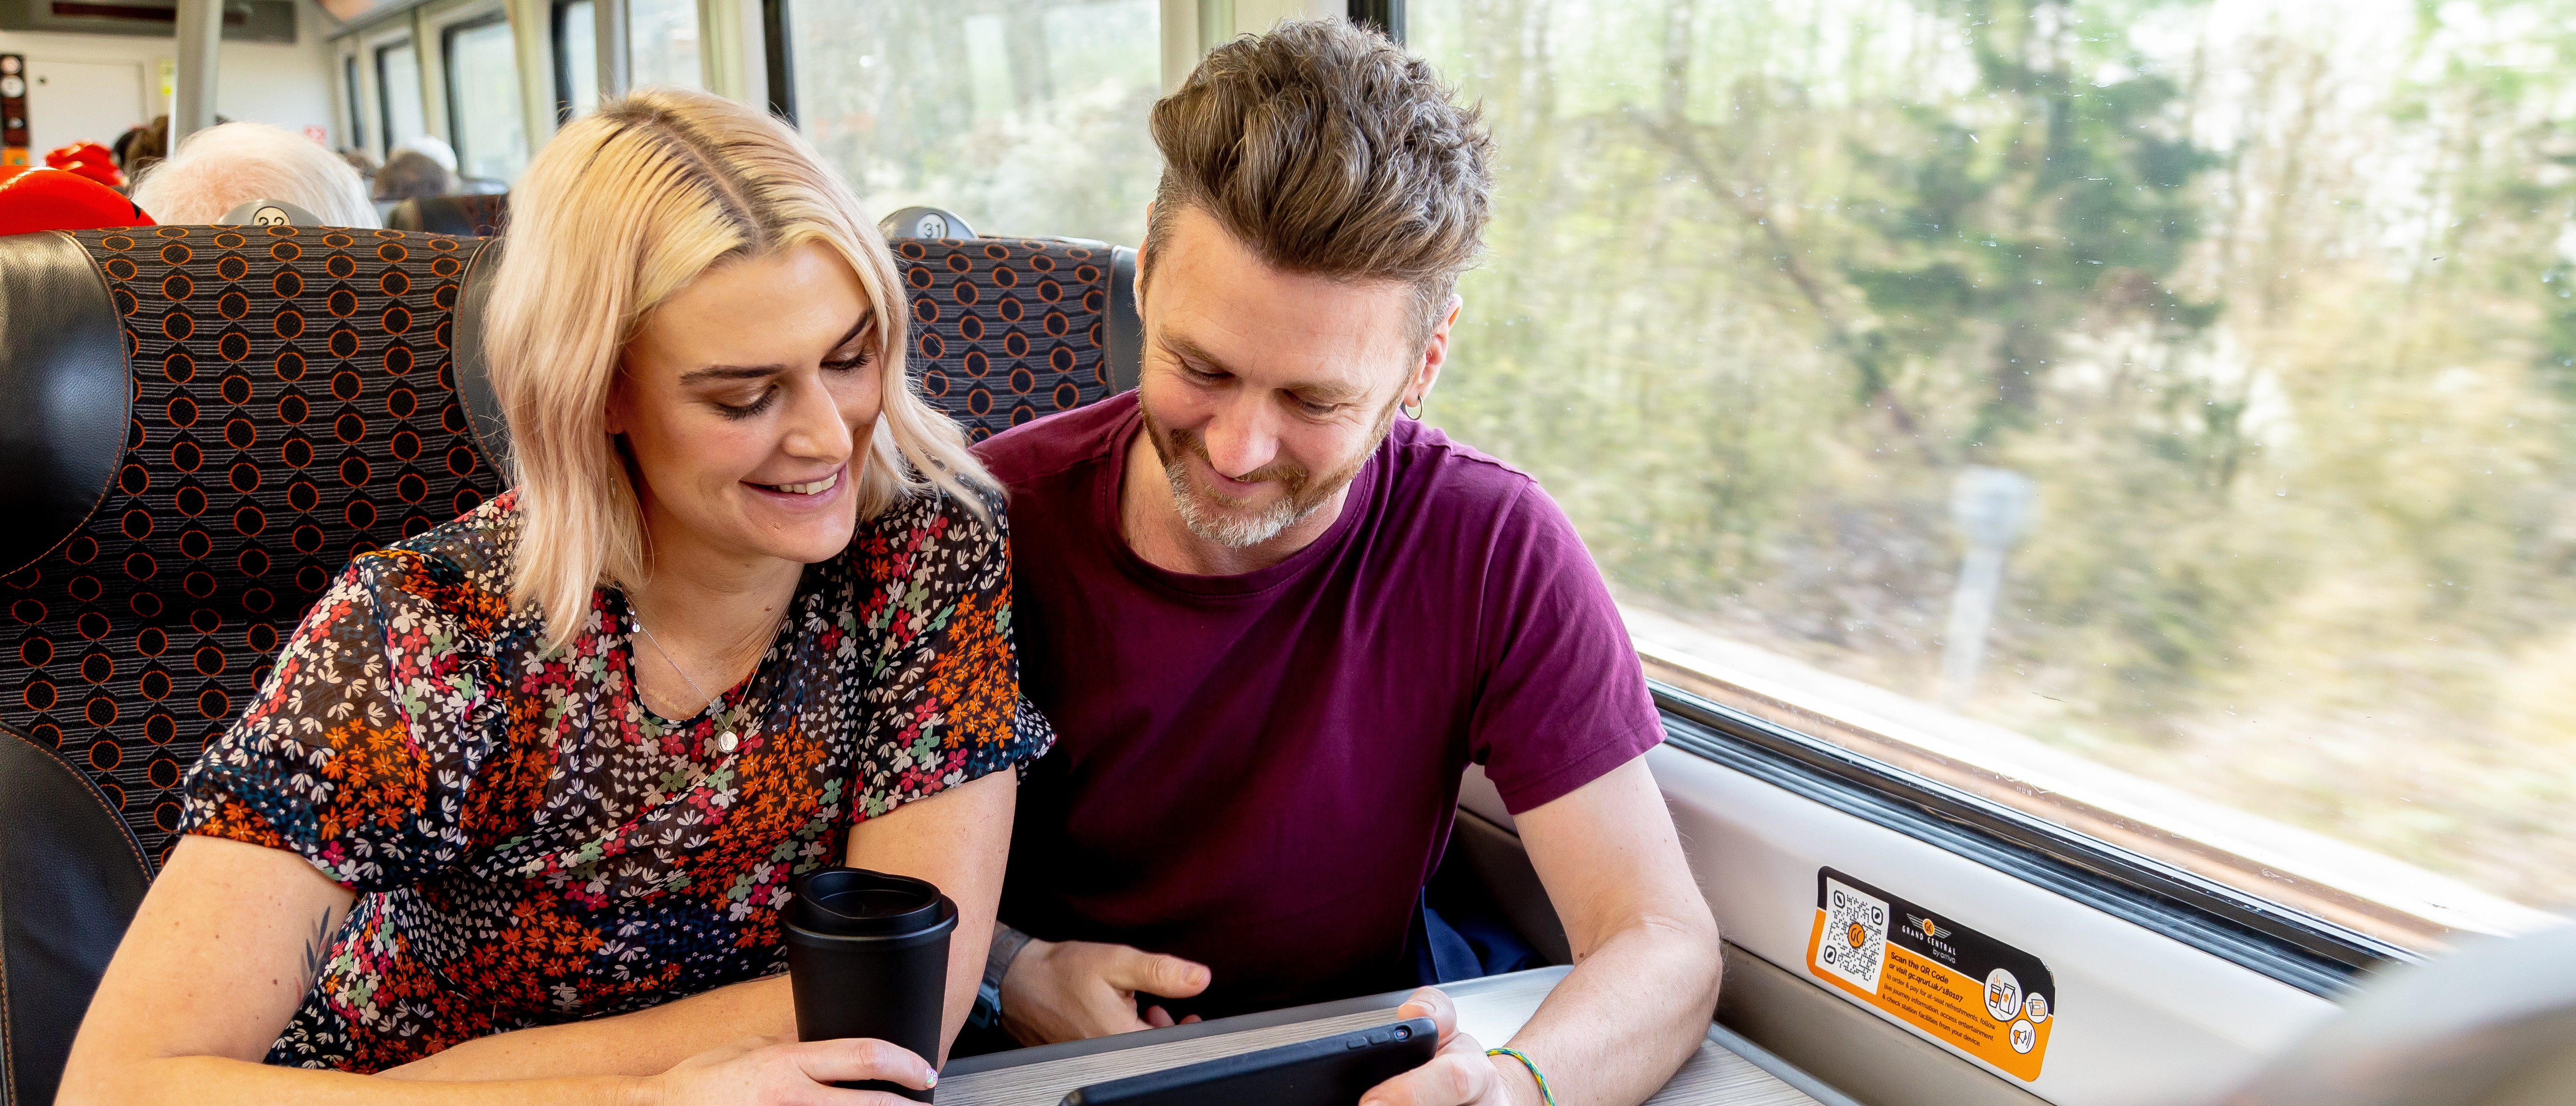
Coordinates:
556	14
1385	15
360	43
447	33
2263	935
780	58
354	96
376	53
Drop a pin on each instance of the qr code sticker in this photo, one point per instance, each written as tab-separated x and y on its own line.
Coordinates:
1854	942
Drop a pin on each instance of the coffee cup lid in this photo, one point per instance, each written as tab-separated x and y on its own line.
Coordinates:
856	902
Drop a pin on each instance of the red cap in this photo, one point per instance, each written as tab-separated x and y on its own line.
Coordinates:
54	199
88	159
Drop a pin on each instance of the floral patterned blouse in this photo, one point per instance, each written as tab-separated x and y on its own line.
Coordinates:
529	843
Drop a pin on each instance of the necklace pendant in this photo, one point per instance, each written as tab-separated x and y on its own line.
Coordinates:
726	743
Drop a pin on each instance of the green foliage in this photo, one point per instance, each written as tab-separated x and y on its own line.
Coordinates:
2274	308
1024	117
2055	206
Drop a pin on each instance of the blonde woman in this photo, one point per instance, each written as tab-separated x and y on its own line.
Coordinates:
514	819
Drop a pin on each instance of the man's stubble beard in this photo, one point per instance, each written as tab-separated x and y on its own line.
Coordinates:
1212	515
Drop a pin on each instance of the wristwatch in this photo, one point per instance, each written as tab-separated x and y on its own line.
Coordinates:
1007	943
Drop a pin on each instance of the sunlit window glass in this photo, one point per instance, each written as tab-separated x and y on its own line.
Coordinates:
483	91
576	58
398	91
662	43
2172	402
1026	116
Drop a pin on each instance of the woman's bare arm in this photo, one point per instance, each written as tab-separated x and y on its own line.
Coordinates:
963	850
220	954
958	839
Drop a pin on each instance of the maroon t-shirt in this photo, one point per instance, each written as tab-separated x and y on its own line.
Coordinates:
1258	772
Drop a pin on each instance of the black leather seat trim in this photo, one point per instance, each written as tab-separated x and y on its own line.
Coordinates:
420	216
404	215
473	369
71	876
1126	325
438	215
64	394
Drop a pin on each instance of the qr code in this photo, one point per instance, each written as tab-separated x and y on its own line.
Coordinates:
1854	942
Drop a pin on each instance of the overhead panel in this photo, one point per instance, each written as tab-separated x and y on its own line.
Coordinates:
244	20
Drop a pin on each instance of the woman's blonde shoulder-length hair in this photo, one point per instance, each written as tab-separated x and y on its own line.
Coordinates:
624	207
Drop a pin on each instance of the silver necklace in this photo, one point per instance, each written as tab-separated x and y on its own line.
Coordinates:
724	744
683	673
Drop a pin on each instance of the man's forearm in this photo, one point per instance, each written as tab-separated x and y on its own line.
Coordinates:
1628	1015
646	1042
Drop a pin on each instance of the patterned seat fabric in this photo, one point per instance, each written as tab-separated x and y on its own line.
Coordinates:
1007	330
292	403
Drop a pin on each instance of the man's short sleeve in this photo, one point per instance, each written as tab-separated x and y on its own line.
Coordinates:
1563	700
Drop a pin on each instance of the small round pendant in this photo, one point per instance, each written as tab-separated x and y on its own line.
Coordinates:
726	743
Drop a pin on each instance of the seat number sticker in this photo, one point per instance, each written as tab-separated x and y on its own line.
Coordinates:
1979	995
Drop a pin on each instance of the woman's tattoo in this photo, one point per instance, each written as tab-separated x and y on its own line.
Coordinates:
315	947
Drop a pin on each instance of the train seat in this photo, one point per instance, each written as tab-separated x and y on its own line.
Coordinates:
203	424
464	214
1009	329
2491	1024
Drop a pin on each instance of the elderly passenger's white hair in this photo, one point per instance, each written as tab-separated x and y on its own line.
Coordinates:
224	166
432	147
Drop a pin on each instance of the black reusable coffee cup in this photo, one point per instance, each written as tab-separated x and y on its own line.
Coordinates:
867	955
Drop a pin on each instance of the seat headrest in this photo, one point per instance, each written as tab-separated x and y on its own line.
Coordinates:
2492	1024
270	213
924	222
64	391
199	426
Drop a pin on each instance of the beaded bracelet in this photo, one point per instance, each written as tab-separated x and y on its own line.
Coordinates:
1544	1094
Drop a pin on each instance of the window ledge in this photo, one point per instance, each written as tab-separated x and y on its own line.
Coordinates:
2304	871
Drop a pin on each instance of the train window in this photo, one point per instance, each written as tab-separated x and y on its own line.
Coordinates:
1025	116
357	102
662	43
398	93
576	39
483	108
2166	412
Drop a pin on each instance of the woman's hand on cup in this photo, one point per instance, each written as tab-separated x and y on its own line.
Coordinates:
782	1071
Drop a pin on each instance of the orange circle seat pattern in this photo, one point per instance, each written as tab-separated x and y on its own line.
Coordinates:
292	404
1006	330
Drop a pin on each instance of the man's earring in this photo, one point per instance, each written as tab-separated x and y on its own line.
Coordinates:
1411	411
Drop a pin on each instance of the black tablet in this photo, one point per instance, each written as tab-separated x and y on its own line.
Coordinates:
1327	1071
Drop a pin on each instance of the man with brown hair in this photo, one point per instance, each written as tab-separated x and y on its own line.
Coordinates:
1273	621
